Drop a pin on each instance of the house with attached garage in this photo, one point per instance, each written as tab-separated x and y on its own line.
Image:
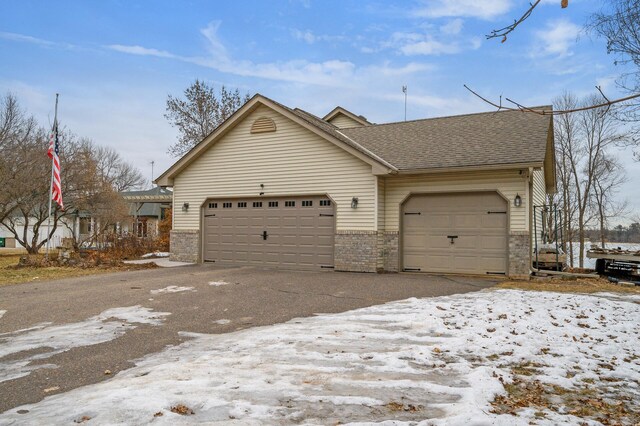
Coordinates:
280	187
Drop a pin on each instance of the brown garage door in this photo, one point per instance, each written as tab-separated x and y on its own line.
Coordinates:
455	233
289	232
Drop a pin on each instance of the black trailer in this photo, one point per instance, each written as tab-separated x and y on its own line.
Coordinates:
616	262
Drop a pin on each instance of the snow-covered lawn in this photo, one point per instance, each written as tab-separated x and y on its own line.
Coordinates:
437	360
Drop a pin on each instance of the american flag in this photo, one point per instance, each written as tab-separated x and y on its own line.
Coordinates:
52	152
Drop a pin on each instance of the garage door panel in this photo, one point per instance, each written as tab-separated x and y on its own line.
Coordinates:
436	243
297	237
477	219
466	242
497	221
467	221
497	242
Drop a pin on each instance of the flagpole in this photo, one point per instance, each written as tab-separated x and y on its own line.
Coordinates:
55	125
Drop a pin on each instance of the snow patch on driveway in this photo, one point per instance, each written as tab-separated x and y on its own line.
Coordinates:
45	340
2	313
172	289
156	254
437	360
218	283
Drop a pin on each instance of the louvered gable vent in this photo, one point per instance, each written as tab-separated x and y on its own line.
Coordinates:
263	125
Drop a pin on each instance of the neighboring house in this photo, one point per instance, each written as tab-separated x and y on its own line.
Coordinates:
275	186
146	210
62	232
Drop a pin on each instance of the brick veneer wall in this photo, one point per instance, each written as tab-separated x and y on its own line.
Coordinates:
184	245
519	254
390	248
356	251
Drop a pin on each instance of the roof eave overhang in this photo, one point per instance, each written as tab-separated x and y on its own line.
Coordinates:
488	167
379	166
550	161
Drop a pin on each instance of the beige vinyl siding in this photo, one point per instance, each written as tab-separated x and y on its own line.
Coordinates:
343	122
290	161
507	183
539	191
539	199
381	221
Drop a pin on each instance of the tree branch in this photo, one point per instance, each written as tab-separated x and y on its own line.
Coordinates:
502	32
519	107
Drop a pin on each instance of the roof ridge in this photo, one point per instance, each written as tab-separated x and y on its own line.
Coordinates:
454	116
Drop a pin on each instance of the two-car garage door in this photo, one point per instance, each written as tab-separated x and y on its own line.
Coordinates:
289	232
455	233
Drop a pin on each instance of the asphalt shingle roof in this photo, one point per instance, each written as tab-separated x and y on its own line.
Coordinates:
484	139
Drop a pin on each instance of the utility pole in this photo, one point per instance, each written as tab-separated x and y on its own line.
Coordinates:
152	163
404	90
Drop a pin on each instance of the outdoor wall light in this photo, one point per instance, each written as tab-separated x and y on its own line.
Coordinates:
185	207
354	203
517	201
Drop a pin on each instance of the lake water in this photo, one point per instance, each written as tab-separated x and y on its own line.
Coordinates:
591	263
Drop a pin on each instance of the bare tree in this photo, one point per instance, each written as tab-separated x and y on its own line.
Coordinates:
566	134
583	140
113	170
16	127
619	24
89	181
608	177
199	113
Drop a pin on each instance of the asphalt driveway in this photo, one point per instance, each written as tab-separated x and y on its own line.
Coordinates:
59	335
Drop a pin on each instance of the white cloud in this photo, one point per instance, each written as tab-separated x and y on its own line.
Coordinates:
34	40
309	37
556	39
483	9
452	27
429	47
306	36
139	50
332	72
413	44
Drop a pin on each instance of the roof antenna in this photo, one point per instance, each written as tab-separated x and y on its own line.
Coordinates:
152	164
404	90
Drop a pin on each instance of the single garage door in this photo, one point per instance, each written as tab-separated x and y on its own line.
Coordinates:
455	233
286	232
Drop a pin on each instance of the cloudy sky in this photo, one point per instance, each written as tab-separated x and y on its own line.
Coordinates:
115	61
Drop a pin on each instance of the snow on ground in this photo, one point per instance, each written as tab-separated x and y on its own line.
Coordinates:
172	289
45	340
2	312
218	283
222	321
156	254
162	262
436	360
